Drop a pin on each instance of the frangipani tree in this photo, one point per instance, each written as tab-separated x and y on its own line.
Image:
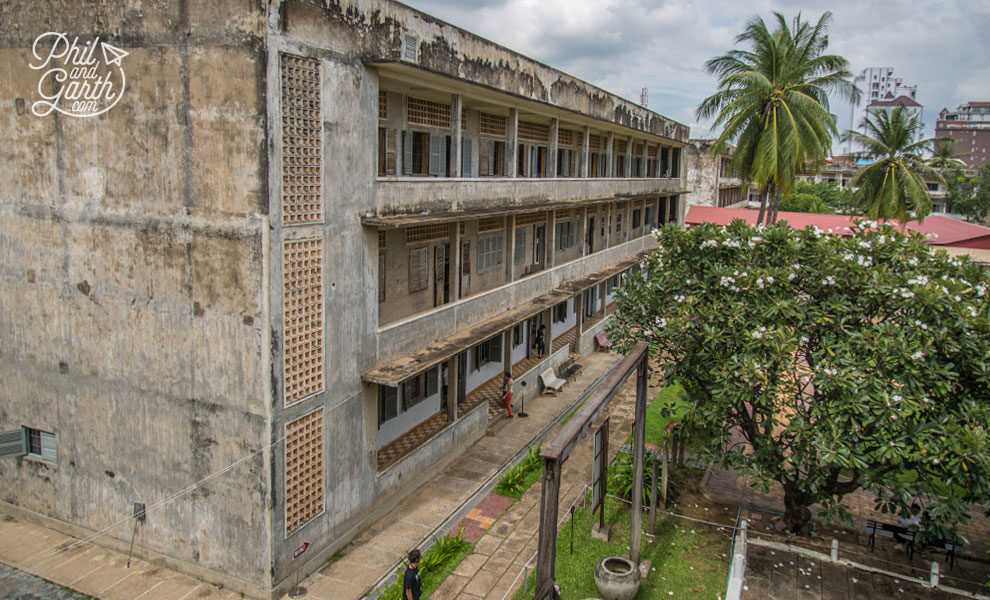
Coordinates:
824	363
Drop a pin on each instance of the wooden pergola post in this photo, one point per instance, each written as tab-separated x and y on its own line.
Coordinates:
560	448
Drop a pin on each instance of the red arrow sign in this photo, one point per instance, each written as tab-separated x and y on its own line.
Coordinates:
298	551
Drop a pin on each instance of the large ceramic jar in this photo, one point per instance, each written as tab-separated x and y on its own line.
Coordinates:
617	578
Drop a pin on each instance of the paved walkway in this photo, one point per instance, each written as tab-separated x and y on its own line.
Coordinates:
101	573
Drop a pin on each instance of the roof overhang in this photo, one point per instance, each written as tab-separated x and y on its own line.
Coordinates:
410	219
421	77
395	372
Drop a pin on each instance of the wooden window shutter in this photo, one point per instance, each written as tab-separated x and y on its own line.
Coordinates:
438	266
13	442
485	158
465	157
407	152
436	155
390	151
419	269
466	258
381	276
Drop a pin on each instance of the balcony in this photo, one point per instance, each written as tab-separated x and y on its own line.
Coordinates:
435	194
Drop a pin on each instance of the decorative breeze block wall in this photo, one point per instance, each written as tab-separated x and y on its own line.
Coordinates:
302	262
302	198
303	470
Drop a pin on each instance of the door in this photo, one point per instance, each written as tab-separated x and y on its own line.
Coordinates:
591	235
439	275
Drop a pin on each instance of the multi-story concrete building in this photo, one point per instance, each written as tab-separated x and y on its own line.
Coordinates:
710	179
969	126
263	291
881	91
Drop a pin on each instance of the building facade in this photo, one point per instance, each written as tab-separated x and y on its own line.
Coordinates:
969	126
710	179
882	92
304	233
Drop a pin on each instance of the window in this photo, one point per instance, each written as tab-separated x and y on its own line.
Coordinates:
560	312
491	158
424	153
419	269
649	216
564	235
612	283
413	391
635	218
519	252
31	442
489	351
388	403
489	252
618	222
517	335
932	187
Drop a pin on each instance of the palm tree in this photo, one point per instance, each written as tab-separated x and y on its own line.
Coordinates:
944	156
893	185
772	102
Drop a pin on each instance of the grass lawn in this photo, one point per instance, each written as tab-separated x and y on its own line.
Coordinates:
691	559
669	405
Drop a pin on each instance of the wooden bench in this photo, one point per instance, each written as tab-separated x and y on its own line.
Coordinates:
551	383
568	368
603	342
901	534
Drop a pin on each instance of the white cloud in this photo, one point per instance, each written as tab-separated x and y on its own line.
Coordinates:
624	45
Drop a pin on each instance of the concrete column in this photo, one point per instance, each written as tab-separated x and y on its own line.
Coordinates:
507	350
452	387
583	158
455	262
548	319
512	143
579	309
602	287
629	156
582	229
607	222
510	248
551	251
610	156
552	153
456	104
645	159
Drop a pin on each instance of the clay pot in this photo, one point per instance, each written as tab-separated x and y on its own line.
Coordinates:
617	578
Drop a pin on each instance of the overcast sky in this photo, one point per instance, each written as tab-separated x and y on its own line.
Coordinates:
941	46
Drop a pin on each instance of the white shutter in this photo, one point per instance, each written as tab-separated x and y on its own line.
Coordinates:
419	269
407	152
390	152
534	162
436	155
466	157
48	450
13	442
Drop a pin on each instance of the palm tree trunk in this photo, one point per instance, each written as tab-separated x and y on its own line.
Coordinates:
775	207
763	204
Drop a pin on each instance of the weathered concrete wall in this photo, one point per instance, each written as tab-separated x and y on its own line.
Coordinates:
131	253
701	173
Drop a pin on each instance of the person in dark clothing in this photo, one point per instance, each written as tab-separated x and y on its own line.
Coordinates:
541	342
411	586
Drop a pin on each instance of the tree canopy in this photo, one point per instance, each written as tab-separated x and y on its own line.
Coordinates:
825	363
970	197
772	102
893	186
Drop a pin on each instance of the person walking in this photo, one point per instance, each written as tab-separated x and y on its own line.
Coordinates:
412	588
507	382
541	342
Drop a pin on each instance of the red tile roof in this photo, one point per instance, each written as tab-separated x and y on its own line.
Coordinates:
941	230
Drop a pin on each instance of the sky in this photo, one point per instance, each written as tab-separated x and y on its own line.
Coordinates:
942	46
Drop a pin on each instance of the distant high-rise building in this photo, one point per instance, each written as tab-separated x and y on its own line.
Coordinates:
969	126
884	92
